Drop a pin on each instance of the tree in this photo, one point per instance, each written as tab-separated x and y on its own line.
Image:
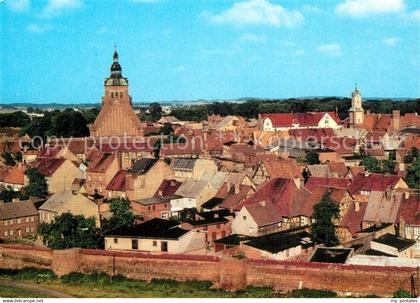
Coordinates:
155	111
312	157
18	156
325	212
376	166
8	194
411	156
67	231
8	159
122	215
166	129
37	184
413	175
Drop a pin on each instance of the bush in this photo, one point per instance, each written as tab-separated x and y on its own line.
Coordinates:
402	293
28	273
311	293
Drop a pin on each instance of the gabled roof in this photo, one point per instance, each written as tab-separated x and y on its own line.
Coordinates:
282	168
314	182
15	175
48	166
142	166
373	182
311	133
101	163
289	200
167	188
17	210
353	218
282	241
153	229
410	210
383	207
264	213
61	202
118	181
302	119
49	152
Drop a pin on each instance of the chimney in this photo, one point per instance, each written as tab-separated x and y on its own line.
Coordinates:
356	206
407	195
368	112
396	119
262	203
388	192
160	193
236	188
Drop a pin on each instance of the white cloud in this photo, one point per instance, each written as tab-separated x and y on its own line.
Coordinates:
57	7
37	28
250	37
363	8
18	5
391	41
256	12
415	15
332	49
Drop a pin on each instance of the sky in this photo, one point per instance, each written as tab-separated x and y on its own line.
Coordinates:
61	50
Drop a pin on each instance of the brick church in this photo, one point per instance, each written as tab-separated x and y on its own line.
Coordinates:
116	117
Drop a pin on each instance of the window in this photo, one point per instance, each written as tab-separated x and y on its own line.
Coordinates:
11	232
112	94
251	230
115	241
6	222
417	231
134	244
32	229
121	94
244	217
153	207
27	229
19	221
6	233
154	243
11	222
27	219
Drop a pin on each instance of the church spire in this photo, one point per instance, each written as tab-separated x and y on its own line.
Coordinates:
116	71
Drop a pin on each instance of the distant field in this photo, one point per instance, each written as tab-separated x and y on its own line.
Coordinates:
16	292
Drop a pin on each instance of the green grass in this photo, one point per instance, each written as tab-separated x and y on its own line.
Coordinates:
100	285
15	292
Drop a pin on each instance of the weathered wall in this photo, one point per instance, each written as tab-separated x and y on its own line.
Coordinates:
228	273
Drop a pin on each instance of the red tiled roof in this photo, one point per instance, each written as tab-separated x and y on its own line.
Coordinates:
49	152
288	199
339	168
316	133
410	210
48	166
352	220
314	182
283	168
15	175
101	163
118	181
373	182
264	213
167	188
128	147
181	149
232	199
303	119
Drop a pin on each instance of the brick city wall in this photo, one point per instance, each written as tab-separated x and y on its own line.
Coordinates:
227	273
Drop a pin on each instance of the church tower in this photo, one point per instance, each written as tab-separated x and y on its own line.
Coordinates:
116	117
356	112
